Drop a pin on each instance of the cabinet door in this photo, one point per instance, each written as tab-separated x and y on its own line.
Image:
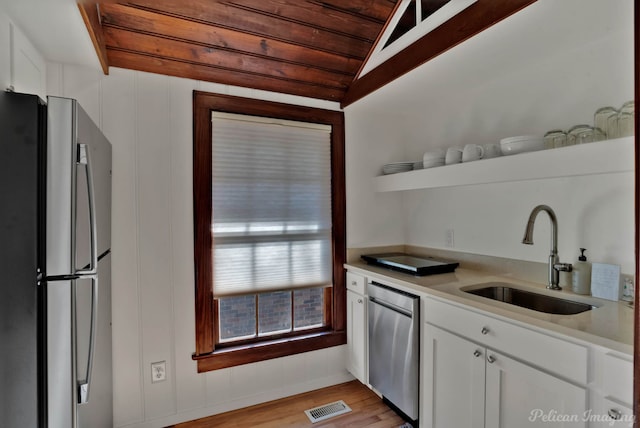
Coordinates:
614	415
453	381
617	377
28	67
356	335
518	395
5	52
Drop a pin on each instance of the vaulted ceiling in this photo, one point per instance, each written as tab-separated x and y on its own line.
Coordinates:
311	48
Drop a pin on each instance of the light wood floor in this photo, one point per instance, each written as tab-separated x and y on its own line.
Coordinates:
368	410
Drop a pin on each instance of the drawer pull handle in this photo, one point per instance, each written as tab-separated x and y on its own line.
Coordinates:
354	283
359	300
491	359
485	330
477	353
615	414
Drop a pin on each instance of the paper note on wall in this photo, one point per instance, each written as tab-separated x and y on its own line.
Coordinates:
605	281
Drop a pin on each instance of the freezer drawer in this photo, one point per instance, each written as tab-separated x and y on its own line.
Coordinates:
98	411
69	322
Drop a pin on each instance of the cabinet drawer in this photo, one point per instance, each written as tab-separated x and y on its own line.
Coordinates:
569	360
620	416
617	381
356	283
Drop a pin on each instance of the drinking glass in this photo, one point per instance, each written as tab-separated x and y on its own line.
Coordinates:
580	134
600	118
626	119
555	138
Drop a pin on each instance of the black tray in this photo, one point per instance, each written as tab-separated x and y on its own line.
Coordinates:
419	266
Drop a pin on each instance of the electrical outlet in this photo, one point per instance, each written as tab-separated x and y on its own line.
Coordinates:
627	289
449	242
158	371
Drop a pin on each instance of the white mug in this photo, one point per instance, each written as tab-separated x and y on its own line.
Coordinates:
491	150
472	152
433	155
453	155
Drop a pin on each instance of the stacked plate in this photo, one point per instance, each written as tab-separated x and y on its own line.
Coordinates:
392	168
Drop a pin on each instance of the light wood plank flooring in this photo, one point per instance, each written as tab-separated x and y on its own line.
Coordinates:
368	410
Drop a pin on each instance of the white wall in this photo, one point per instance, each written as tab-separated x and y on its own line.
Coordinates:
148	119
549	66
372	218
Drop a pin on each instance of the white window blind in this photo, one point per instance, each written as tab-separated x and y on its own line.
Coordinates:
271	204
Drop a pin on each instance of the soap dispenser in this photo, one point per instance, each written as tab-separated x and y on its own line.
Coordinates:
581	276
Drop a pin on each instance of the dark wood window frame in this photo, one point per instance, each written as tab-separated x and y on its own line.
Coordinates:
207	356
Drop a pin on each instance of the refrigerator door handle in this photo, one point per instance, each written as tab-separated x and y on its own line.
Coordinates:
84	158
85	384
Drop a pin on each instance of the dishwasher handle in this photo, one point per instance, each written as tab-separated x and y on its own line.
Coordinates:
391	306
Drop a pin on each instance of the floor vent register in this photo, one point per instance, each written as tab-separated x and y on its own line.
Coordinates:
327	411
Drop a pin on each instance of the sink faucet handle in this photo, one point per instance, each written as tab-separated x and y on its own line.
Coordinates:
563	267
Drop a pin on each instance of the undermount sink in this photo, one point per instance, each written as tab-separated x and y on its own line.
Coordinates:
503	292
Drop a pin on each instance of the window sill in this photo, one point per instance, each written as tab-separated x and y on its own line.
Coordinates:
245	354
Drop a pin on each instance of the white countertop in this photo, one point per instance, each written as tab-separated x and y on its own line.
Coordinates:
610	324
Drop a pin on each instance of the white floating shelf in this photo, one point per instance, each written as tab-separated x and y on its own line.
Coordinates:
603	157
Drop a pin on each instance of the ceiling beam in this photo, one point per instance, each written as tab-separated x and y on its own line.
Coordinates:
123	18
209	73
91	17
227	15
189	52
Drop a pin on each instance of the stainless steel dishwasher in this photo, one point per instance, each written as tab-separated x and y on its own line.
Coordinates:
394	339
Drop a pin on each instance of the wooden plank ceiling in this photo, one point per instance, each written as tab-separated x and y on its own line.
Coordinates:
312	48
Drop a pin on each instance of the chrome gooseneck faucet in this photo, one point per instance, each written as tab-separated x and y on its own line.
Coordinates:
554	263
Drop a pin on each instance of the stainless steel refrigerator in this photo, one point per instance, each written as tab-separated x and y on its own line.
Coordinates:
55	266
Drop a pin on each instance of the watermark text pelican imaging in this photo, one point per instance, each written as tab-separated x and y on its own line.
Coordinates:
553	416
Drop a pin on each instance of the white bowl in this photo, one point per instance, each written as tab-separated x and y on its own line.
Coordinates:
521	144
433	162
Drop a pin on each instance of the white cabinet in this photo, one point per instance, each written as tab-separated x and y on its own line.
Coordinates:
473	382
617	376
518	394
356	283
22	67
5	52
611	414
453	381
357	327
612	392
28	67
551	353
356	335
467	385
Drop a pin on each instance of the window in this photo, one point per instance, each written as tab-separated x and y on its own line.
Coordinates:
412	19
269	229
271	224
